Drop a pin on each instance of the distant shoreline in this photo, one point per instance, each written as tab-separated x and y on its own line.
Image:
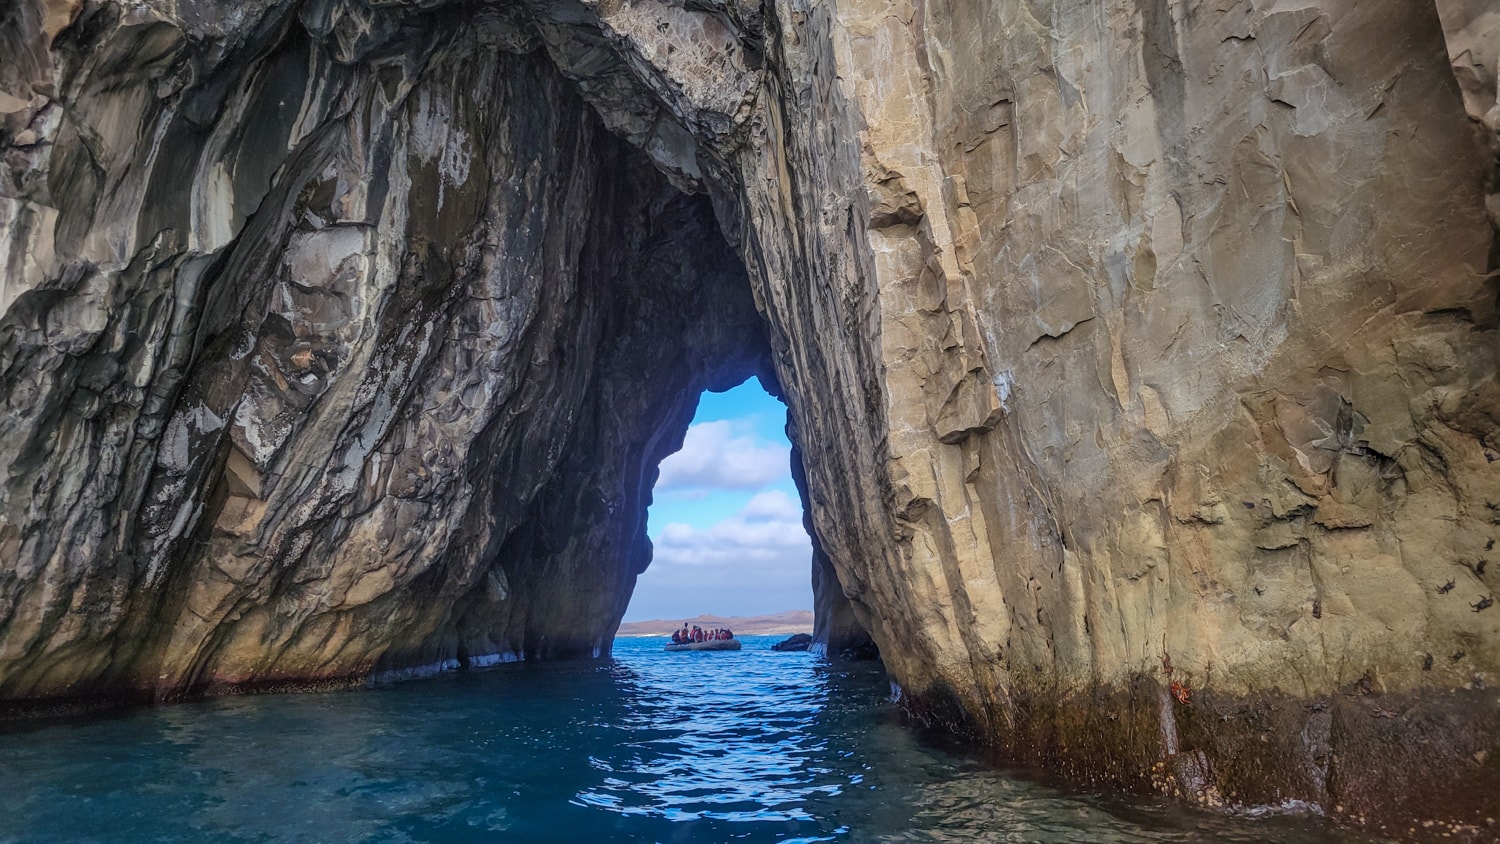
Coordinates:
737	633
776	624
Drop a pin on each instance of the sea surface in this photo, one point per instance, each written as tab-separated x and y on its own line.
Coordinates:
745	746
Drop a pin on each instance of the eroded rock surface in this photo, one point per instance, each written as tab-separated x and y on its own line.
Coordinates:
1187	331
337	338
1141	355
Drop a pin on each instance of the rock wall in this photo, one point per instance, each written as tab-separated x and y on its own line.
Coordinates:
1141	354
1187	399
336	339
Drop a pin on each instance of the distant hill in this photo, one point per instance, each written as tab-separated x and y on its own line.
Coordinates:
776	624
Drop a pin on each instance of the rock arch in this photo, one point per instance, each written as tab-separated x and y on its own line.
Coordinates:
1143	362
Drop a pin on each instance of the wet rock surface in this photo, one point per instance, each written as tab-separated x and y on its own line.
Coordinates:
1141	357
798	642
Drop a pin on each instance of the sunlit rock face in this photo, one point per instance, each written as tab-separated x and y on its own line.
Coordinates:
1141	355
1186	326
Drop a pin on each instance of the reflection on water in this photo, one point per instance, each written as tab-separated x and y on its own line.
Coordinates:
689	747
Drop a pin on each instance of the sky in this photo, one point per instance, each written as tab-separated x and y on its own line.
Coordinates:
725	520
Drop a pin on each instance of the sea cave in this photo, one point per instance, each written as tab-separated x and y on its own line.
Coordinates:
1140	357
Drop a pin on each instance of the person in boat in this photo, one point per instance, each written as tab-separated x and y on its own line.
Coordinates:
676	637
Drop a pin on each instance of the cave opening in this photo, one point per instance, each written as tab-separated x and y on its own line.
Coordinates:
726	519
434	358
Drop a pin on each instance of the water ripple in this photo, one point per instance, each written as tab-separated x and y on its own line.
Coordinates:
745	746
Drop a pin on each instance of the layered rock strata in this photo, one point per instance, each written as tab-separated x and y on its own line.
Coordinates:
336	340
1187	322
1141	355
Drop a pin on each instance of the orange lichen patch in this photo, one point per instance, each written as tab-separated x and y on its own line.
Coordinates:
303	359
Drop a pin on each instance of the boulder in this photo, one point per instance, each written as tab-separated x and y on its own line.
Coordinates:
797	642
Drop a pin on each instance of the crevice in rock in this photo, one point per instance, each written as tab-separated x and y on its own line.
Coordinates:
837	631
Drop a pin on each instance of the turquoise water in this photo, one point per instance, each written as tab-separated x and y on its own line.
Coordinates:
745	746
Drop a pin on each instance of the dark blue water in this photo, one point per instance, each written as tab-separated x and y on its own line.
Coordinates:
697	747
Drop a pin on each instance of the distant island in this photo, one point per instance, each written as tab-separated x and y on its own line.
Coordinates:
776	624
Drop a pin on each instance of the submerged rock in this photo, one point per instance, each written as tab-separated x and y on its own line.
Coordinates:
1141	359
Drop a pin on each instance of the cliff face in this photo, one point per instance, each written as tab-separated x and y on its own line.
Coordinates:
1187	332
332	342
1141	355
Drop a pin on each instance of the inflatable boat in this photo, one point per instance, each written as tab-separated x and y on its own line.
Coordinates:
710	645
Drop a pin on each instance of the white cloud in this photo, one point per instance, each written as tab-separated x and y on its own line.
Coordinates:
723	455
757	561
772	505
767	529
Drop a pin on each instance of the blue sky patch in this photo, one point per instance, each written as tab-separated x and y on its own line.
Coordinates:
725	520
